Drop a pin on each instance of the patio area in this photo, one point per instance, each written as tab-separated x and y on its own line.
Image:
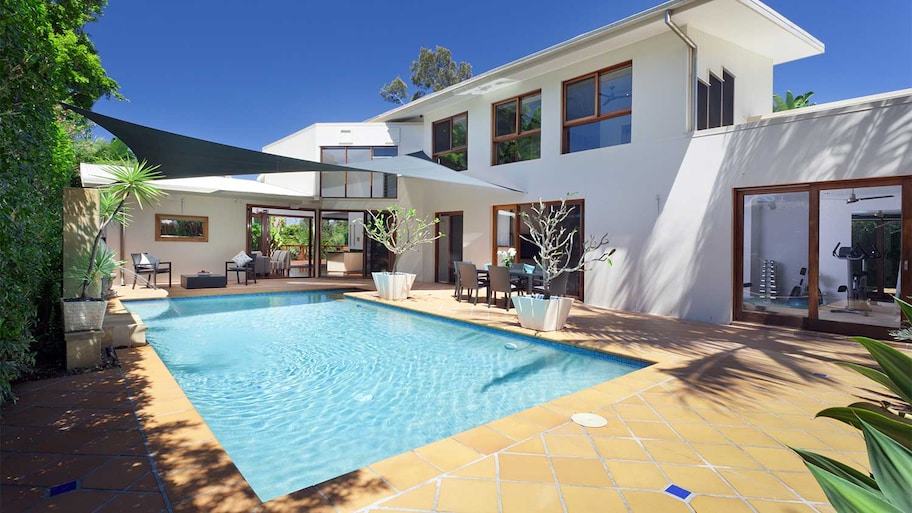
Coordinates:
712	416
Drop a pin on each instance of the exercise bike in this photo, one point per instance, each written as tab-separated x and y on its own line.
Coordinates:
855	303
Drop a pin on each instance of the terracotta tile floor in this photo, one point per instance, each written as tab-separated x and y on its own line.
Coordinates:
713	416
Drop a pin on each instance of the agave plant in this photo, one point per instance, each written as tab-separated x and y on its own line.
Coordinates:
887	428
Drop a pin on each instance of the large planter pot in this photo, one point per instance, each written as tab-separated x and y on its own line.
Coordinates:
542	314
83	314
393	286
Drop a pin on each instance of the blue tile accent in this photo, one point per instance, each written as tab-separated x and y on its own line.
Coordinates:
63	488
678	492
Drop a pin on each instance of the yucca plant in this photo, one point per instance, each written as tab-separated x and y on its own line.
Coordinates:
885	422
130	178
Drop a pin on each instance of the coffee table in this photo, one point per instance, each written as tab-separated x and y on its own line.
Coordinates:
206	281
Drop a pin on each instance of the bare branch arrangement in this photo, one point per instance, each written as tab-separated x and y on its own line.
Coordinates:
400	230
555	242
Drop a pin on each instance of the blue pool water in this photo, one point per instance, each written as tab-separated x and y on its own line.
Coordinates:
303	387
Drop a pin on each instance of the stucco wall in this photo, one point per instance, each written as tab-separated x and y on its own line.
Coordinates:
227	232
306	144
668	207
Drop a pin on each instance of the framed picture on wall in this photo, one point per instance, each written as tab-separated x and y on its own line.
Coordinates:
179	228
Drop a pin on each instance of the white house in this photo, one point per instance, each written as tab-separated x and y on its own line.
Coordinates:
660	125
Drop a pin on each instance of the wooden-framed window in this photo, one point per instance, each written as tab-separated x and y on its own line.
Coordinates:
597	109
357	184
517	129
716	101
180	228
451	142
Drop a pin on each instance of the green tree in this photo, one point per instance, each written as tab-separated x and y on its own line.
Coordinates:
791	101
45	58
432	71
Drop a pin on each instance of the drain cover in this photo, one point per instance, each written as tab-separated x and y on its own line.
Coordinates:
589	420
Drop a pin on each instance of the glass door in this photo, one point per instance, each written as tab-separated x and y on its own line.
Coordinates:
828	256
448	247
860	255
775	254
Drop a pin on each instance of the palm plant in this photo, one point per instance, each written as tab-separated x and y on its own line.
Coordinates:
130	178
791	101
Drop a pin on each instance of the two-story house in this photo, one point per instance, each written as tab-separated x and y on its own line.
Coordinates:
660	127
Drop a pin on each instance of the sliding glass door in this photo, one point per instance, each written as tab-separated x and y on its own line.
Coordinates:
860	254
827	256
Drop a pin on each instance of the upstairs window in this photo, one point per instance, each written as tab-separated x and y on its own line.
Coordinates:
451	146
716	102
357	184
597	109
517	129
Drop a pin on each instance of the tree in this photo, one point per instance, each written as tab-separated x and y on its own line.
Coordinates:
45	58
555	243
400	230
434	70
792	102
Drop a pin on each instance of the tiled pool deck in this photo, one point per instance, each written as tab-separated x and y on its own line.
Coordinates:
713	416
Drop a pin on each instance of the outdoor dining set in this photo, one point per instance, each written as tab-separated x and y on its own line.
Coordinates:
519	278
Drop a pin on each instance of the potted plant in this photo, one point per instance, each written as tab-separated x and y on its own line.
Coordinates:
399	230
555	243
130	178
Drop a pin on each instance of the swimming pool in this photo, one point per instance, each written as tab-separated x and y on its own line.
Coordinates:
303	387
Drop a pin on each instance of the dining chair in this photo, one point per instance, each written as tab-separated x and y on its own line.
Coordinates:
468	280
499	281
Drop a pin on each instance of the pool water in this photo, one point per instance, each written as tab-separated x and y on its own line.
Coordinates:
303	387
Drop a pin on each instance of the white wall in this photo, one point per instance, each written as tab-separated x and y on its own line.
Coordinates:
227	233
306	144
753	73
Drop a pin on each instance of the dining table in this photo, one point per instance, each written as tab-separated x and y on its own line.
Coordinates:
529	279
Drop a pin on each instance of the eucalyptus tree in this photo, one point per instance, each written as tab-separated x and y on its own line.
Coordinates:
432	71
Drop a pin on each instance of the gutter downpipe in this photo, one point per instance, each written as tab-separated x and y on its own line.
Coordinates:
692	75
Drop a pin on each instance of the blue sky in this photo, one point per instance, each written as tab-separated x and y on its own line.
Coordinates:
248	73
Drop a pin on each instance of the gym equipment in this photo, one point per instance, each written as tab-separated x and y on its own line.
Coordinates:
854	300
768	283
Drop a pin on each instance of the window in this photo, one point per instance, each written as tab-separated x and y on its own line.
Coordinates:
451	142
517	129
357	184
597	109
181	228
716	102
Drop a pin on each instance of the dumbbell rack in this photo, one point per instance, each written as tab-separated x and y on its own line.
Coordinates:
768	284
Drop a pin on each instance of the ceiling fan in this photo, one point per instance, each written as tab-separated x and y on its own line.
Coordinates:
855	199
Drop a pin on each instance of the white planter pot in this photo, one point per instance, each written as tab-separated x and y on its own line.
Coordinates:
542	314
83	314
393	286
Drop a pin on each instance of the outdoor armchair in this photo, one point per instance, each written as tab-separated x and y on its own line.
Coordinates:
241	263
148	265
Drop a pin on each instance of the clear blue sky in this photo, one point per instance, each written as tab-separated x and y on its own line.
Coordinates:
248	73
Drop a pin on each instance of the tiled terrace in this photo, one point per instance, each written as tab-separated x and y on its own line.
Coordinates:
713	416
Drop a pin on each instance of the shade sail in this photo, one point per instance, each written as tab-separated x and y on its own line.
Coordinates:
179	156
419	165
